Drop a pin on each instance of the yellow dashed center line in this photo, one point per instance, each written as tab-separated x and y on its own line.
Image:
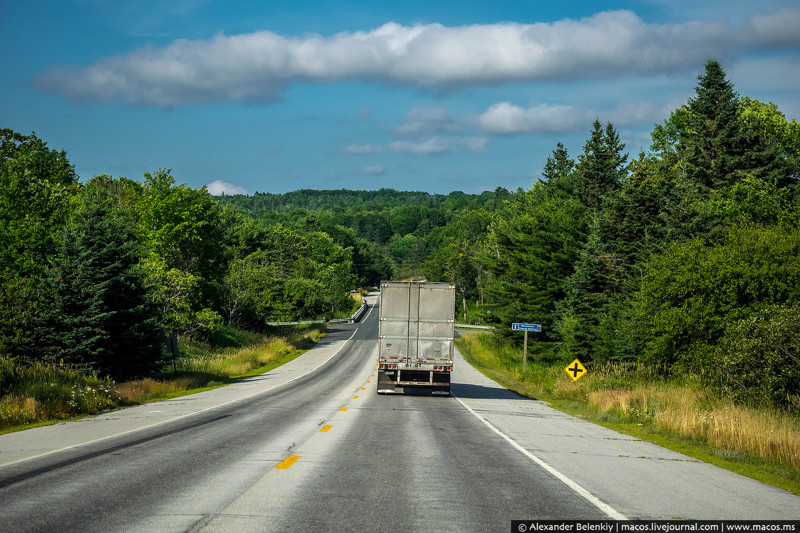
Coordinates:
286	463
343	409
325	429
355	397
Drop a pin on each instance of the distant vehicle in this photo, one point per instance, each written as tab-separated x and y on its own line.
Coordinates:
415	333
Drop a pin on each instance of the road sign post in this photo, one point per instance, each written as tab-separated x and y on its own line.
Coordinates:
525	354
516	326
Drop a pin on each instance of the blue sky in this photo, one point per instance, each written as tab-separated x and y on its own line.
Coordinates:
247	96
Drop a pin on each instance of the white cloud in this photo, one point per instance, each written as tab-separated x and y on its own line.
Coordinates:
774	29
371	170
506	118
256	67
362	149
441	145
429	120
220	187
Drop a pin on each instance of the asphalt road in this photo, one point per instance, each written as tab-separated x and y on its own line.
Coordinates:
311	446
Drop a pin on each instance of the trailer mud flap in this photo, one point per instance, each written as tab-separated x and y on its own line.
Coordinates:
387	383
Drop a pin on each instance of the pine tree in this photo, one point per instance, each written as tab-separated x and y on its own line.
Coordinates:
559	165
531	250
715	142
601	167
588	291
97	315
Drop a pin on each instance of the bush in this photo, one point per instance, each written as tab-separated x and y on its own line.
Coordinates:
694	291
759	357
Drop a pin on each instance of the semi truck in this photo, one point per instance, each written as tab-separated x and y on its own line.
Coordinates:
415	334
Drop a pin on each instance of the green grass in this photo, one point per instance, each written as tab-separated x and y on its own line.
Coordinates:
677	412
39	393
230	356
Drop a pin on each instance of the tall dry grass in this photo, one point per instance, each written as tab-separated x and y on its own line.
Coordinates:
647	395
700	415
141	390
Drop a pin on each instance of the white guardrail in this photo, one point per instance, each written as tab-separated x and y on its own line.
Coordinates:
355	318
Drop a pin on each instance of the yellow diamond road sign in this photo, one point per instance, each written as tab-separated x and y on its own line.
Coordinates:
575	370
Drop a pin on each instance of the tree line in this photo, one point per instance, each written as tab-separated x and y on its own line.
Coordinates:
684	257
95	274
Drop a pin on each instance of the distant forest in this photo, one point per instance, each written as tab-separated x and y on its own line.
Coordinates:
685	257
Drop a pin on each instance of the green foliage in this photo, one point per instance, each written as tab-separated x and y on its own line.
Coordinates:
758	358
693	291
278	273
559	165
775	152
181	228
38	187
725	139
596	276
601	166
587	293
177	296
753	201
531	251
713	139
96	312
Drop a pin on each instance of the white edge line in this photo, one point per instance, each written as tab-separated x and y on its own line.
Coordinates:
45	454
591	498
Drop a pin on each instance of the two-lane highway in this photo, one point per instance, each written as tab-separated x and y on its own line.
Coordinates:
312	446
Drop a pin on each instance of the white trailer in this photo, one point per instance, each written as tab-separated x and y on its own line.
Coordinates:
415	333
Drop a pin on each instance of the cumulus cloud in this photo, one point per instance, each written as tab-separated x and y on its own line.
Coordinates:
256	67
220	187
775	29
507	118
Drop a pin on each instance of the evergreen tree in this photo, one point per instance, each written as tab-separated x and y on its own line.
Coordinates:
531	251
559	165
715	142
596	279
97	315
601	167
776	141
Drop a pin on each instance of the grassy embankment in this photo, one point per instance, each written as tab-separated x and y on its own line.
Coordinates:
677	412
42	394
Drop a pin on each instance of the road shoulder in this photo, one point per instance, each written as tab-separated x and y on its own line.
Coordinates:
635	477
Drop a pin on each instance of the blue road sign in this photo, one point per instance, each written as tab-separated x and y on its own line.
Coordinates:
526	327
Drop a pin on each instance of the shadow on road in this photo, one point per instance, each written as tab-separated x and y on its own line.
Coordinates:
465	390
